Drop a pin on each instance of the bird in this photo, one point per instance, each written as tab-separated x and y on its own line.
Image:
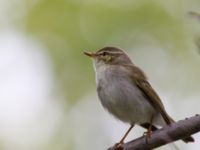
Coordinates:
125	92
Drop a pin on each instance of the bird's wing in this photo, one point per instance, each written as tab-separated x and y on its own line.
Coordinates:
140	80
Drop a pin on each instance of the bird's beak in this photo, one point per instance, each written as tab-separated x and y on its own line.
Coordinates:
90	54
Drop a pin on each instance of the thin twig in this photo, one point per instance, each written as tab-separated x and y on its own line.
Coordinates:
168	134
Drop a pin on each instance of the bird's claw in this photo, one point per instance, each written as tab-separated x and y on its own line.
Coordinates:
119	146
147	134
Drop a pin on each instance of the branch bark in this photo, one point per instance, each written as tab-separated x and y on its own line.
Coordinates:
168	134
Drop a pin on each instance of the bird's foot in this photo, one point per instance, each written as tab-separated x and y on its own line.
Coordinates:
119	146
147	135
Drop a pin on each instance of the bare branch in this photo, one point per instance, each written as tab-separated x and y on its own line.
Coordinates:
168	134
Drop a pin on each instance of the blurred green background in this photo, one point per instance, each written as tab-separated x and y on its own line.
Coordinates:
48	97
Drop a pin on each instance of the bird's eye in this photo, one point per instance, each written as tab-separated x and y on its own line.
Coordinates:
105	53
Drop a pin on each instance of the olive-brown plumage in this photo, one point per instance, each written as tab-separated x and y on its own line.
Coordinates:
125	92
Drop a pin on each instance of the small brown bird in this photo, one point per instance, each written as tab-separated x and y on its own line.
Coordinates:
125	92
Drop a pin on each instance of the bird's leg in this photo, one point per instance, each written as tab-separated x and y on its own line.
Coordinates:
149	130
125	135
121	142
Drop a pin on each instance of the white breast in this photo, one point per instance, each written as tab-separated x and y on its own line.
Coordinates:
121	97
